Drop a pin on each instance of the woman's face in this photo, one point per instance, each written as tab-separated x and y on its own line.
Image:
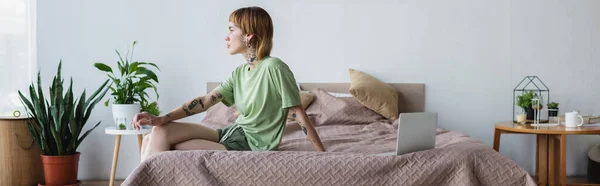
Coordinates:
234	39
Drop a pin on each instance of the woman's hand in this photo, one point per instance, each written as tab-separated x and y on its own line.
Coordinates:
145	118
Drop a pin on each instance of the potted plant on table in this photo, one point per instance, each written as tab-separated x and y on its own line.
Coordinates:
56	125
129	88
525	101
552	109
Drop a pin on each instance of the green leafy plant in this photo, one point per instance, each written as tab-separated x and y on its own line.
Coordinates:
56	126
553	105
133	80
525	100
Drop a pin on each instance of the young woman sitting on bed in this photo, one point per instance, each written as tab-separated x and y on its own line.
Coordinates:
263	89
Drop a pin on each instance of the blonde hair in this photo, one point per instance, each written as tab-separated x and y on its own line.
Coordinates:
256	21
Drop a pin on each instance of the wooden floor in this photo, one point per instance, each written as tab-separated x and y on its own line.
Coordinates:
99	183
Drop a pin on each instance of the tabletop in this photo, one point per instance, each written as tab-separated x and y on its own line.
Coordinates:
115	131
560	129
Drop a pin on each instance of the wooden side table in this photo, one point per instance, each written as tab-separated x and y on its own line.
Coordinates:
118	133
551	165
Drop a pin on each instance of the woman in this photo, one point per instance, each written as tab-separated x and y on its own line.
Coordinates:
263	89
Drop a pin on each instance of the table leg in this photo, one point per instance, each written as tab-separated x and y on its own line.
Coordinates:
497	134
552	158
115	159
140	138
542	159
562	177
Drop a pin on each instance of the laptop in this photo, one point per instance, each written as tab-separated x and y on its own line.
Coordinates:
416	132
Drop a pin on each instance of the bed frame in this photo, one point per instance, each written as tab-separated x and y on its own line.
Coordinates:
411	95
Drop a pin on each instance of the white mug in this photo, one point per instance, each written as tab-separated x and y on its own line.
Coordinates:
571	119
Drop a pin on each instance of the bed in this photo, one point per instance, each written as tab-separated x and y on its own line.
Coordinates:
351	133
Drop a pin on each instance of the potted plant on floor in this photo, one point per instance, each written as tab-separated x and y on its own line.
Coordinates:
129	88
56	125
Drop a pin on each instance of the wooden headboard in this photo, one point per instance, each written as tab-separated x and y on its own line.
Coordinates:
411	95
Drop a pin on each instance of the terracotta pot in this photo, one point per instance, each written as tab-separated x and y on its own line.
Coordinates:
61	170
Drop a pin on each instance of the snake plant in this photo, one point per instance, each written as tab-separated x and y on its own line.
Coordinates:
56	125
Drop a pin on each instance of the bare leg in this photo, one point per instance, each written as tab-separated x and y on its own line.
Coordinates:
145	142
165	136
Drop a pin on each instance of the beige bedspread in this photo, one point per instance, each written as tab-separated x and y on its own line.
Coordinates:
350	133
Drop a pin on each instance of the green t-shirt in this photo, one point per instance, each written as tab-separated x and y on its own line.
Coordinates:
262	96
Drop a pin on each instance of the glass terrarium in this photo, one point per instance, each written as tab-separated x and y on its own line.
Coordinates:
121	123
529	97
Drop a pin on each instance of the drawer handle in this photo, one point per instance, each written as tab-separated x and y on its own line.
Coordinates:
18	142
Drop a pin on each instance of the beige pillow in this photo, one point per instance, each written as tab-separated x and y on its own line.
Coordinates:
306	97
374	94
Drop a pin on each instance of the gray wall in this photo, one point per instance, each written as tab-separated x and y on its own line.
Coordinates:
469	53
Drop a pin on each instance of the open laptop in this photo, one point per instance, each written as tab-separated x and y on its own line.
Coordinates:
416	132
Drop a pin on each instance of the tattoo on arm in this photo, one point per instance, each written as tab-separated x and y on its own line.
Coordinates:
303	128
300	123
169	115
193	104
213	98
187	112
201	103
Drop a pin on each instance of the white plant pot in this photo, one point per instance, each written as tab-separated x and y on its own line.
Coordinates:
124	113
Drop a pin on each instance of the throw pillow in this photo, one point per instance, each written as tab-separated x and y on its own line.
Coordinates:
374	94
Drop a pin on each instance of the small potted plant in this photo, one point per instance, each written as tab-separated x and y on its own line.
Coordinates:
525	101
57	124
129	88
552	109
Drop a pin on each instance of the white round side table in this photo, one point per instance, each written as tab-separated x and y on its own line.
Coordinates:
118	133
